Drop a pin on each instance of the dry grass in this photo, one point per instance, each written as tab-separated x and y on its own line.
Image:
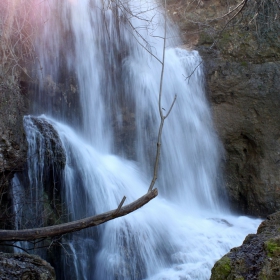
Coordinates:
16	37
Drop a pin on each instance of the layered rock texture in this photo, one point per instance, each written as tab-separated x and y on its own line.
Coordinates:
257	258
240	44
24	267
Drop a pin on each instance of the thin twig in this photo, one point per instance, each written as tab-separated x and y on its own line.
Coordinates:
15	246
170	109
162	117
120	206
235	15
188	77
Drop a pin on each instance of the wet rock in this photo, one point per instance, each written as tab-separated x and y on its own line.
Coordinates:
44	194
257	258
24	267
53	149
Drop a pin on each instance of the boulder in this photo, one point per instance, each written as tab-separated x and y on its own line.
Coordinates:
24	267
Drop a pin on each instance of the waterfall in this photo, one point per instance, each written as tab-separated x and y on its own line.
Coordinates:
114	51
118	81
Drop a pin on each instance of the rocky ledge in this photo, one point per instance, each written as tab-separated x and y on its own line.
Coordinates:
258	258
23	266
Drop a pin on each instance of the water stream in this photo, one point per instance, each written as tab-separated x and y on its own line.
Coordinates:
114	49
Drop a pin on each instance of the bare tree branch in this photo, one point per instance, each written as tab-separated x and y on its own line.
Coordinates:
44	232
188	77
14	246
162	117
170	109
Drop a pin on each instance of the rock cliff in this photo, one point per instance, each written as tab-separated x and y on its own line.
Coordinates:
241	51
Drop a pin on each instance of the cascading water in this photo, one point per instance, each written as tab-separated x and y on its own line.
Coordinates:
114	50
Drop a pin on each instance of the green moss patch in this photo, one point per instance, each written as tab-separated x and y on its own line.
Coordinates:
272	247
221	269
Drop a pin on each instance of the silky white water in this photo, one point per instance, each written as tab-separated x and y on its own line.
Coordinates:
114	50
162	240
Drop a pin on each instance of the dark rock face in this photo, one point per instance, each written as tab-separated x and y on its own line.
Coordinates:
246	101
242	66
24	267
13	145
53	150
242	76
41	198
257	258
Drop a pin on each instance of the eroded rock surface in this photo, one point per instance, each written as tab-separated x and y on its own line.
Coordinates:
24	267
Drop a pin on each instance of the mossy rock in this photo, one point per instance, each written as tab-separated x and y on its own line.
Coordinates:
257	258
272	247
221	269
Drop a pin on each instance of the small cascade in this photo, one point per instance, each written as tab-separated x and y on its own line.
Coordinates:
114	51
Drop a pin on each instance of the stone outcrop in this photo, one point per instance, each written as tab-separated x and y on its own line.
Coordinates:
242	65
257	258
24	267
